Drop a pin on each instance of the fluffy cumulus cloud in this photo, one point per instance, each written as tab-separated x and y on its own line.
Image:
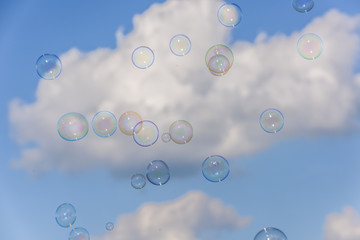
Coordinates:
185	218
315	97
343	226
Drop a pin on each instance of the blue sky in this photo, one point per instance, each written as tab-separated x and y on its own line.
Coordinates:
299	180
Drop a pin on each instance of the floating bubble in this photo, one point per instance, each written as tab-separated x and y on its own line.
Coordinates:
127	122
65	215
157	172
303	6
219	59
138	181
310	46
270	233
79	233
165	137
272	120
180	45
109	226
143	57
215	168
181	131
48	66
230	14
104	124
72	126
146	133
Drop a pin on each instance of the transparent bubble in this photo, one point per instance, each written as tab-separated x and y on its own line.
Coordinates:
65	215
146	133
180	45
181	131
157	172
138	181
72	126
127	122
310	46
303	6
143	57
109	226
104	124
230	14
219	59
48	66
165	137
272	120
270	233
79	233
215	168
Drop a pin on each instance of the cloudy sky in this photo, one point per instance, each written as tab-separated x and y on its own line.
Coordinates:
302	180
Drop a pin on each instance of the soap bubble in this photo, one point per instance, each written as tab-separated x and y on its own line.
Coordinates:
180	45
230	14
109	226
104	124
146	133
138	181
181	131
270	233
165	137
303	6
310	46
72	126
219	59
48	66
157	172
79	233
65	215
215	168
143	57
127	122
271	120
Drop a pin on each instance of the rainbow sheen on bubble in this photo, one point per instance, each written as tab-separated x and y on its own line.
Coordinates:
215	168
65	215
146	133
138	181
219	59
271	120
180	45
310	46
165	137
72	126
128	121
109	226
181	132
104	124
79	233
303	6
143	57
270	233
48	66
230	14
157	172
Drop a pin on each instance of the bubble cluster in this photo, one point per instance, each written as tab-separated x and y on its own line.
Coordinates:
127	122
270	233
157	172
146	133
65	215
165	137
180	45
215	168
181	131
303	6
143	57
104	124
109	226
48	66
310	46
230	14
79	233
219	59
271	120
72	126
138	181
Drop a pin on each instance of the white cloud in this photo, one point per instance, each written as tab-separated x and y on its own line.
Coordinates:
315	97
183	218
343	226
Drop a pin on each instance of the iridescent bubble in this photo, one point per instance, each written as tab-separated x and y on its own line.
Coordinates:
65	215
104	124
303	6
79	233
146	133
272	120
109	226
127	122
215	168
181	131
270	233
72	126
180	45
48	66
230	14
165	137
143	57
219	59
157	172
138	181
310	46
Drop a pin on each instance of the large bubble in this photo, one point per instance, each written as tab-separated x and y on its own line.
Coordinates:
180	45
270	233
157	172
271	120
219	59
303	6
138	181
143	57
104	124
72	126
128	121
230	14
48	66
181	131
79	233
310	46
146	133
215	168
109	226
65	215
